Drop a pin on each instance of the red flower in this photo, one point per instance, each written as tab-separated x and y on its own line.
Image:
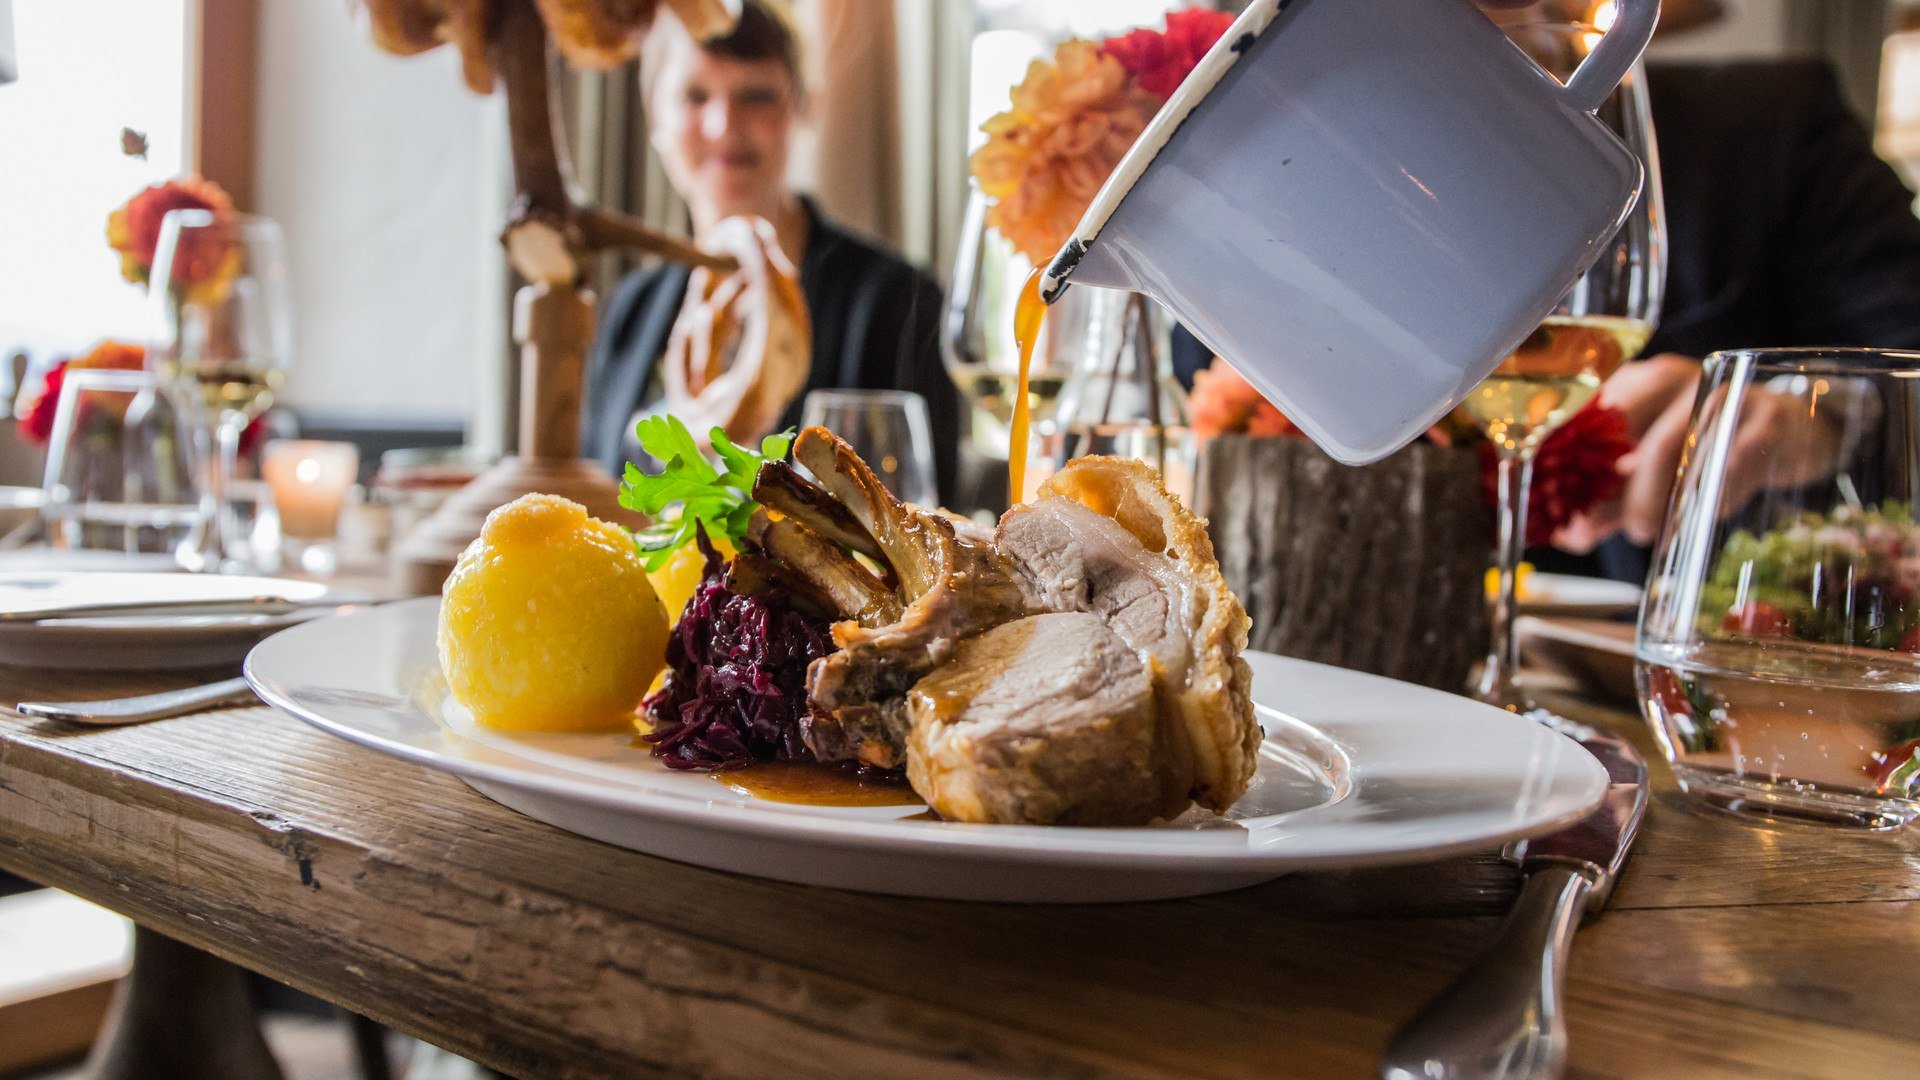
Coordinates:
1573	471
36	421
134	231
1160	61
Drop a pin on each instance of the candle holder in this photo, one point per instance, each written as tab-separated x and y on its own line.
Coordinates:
310	481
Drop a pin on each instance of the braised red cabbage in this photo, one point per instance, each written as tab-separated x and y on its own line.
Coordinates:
736	686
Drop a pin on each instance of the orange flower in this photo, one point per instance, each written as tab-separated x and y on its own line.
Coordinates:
1073	118
134	232
112	356
1224	403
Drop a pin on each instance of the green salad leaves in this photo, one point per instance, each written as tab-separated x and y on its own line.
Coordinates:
717	497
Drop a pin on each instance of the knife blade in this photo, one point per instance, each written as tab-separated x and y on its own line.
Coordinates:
1597	844
1502	1017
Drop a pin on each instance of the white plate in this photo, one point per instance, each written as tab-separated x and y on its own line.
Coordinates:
1356	770
1572	594
146	642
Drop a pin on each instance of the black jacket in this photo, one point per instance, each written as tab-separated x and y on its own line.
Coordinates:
876	325
1784	228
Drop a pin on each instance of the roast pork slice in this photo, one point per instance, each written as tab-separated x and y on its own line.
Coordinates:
949	588
1046	720
1069	558
1104	536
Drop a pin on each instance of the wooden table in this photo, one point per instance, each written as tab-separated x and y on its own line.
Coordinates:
1729	950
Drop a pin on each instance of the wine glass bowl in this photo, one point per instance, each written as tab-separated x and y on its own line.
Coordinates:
889	429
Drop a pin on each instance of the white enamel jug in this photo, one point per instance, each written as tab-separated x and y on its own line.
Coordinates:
1365	205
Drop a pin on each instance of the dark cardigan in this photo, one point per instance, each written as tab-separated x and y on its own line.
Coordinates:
876	326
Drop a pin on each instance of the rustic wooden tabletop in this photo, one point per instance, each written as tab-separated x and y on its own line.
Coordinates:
1729	950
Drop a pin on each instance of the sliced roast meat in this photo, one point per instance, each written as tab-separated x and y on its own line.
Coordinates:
949	589
1069	558
1046	720
815	565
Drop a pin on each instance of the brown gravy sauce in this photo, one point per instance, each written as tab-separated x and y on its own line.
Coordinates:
810	784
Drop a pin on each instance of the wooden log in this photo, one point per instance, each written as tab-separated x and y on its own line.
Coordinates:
1378	568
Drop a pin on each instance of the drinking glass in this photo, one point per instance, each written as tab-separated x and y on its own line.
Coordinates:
119	474
220	283
1604	321
889	429
1778	655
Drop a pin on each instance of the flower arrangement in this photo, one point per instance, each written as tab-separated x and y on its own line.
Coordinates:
1074	117
206	258
1577	468
35	412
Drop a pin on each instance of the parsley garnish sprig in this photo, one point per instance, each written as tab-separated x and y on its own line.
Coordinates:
717	498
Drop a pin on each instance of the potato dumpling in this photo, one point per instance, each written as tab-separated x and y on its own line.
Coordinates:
548	622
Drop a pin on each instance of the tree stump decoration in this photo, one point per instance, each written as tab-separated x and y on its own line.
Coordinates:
1380	568
549	239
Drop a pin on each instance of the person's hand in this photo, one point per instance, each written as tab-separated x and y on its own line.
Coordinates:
1657	394
741	348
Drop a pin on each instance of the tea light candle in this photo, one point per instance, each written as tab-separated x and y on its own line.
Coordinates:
310	481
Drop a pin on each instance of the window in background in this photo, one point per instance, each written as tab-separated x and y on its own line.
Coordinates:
1014	32
86	70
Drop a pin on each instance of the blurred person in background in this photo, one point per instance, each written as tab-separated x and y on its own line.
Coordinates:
723	115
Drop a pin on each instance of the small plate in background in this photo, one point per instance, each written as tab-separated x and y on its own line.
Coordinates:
1595	653
1572	594
147	642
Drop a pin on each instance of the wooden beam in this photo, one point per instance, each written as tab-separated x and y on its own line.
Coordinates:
223	92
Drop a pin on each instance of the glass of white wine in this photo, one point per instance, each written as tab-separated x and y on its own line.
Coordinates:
1604	321
220	283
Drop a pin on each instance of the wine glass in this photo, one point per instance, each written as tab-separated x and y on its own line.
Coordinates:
220	282
1778	656
889	429
1604	321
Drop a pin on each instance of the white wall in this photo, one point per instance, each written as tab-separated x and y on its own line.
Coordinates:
387	175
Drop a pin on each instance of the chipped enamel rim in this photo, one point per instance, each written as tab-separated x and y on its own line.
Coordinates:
1186	97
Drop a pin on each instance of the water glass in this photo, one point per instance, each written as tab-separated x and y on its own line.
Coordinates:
888	428
1778	656
120	473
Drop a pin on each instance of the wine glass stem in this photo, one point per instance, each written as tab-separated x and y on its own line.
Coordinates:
222	544
1497	686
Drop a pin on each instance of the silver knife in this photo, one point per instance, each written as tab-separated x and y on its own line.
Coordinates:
131	609
1503	1017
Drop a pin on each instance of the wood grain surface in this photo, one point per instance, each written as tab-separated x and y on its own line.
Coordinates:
1730	950
1380	568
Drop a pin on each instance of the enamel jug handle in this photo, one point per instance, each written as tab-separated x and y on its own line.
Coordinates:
1615	54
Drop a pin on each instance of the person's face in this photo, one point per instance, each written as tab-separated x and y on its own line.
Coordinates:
722	126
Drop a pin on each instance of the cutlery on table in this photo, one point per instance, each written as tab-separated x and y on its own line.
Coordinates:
1503	1017
127	609
111	712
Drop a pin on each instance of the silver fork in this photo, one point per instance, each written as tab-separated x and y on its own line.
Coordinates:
112	712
